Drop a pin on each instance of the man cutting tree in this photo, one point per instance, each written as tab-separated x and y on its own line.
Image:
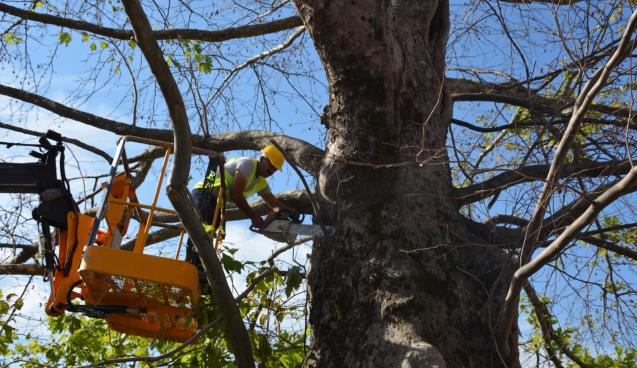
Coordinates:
244	177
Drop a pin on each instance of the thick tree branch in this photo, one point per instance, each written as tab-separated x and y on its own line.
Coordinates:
301	153
553	250
588	93
22	269
24	255
305	155
177	188
621	122
525	174
113	126
26	252
611	247
166	34
296	199
514	93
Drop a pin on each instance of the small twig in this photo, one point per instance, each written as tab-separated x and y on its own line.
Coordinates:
80	144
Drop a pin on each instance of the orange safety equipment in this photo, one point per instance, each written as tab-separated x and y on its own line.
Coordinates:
274	155
136	293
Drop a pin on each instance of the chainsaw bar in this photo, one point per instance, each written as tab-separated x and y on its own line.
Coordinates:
286	231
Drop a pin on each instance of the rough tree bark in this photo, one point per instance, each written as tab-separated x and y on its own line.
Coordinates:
405	282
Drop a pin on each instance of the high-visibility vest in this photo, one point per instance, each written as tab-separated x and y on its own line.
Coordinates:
249	189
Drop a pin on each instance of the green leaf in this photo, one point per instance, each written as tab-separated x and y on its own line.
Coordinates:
103	45
294	278
93	46
64	38
12	39
4	307
231	264
132	44
85	37
205	68
170	60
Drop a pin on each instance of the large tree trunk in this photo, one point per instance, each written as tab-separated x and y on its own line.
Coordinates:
404	283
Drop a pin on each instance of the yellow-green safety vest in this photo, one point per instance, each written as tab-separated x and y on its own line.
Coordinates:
260	184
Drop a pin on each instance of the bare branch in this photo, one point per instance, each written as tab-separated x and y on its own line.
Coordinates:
256	58
611	247
22	269
525	174
513	93
177	188
548	333
590	90
80	144
84	117
166	34
569	233
305	155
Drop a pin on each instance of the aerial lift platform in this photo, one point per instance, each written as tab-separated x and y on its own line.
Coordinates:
136	293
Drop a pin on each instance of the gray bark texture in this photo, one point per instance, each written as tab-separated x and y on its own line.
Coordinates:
405	282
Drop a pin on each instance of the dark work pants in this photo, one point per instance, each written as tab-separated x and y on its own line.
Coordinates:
205	203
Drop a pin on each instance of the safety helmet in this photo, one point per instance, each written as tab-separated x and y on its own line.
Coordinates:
274	155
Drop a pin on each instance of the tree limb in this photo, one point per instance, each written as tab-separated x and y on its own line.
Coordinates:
25	254
80	144
548	333
585	98
177	188
304	154
567	214
513	93
166	34
569	233
611	247
296	199
509	178
22	269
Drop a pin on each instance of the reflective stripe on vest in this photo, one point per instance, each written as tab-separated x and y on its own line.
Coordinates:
260	184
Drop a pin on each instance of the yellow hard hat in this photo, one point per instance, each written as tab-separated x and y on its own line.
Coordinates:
274	155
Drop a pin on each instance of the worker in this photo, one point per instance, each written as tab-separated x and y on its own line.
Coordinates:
244	177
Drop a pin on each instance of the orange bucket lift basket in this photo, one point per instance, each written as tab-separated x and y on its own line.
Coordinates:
136	293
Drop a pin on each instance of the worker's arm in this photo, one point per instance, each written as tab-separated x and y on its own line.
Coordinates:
236	194
272	201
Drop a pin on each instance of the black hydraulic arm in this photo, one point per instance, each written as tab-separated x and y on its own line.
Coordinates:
33	177
40	177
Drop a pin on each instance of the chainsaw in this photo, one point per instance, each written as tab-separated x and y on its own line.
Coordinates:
285	225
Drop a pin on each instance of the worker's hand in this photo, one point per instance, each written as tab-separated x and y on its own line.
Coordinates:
258	222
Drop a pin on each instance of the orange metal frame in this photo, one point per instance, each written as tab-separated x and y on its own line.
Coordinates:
148	295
